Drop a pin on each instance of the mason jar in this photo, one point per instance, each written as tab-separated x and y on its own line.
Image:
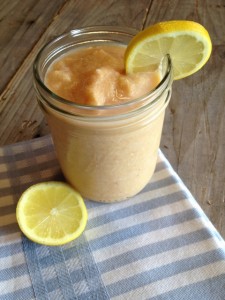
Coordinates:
107	153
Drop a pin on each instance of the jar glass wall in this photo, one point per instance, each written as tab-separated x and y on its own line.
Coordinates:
108	153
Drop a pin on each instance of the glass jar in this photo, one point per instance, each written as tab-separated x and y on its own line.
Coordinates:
108	153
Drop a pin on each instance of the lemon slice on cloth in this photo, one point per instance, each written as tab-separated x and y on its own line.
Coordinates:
188	44
51	213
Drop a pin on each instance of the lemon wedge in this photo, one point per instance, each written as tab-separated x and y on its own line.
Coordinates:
51	213
188	44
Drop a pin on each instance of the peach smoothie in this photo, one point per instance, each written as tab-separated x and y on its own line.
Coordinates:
106	125
96	76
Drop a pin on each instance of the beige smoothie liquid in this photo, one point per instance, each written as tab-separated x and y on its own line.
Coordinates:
105	159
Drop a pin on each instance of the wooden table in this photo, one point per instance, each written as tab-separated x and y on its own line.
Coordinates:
194	131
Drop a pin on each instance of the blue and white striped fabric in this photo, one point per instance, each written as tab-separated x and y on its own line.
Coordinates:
156	245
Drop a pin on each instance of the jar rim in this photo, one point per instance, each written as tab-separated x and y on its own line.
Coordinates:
167	76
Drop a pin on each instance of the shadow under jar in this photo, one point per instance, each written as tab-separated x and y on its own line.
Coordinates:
108	153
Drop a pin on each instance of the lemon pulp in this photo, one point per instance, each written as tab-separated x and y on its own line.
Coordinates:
51	213
188	44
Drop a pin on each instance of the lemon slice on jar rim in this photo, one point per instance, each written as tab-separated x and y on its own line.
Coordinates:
188	43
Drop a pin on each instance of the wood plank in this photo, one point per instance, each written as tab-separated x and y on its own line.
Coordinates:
21	25
21	117
194	131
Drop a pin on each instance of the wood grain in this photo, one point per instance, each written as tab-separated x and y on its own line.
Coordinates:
194	131
21	23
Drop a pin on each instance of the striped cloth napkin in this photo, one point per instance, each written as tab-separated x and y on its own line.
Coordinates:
156	245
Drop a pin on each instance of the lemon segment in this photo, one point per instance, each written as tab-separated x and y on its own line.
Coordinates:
51	213
188	44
